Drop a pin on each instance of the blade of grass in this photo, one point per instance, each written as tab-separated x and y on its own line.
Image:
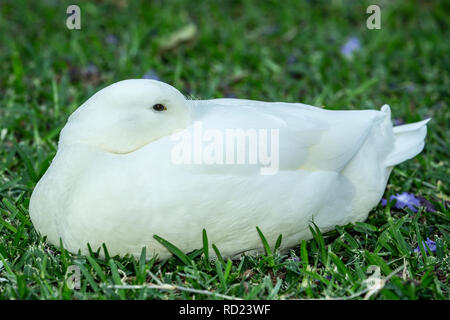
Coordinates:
304	253
265	243
320	242
220	275
205	244
174	250
278	243
219	256
97	269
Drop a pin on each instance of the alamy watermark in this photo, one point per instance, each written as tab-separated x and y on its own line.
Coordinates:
73	20
374	20
73	277
227	147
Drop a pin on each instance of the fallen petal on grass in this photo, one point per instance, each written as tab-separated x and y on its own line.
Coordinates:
151	74
353	44
429	243
403	200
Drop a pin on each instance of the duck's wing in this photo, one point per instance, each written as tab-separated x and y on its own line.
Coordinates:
309	138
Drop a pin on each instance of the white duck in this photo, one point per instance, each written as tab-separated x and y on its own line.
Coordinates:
114	179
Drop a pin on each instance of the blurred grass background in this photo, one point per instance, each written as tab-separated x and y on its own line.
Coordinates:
290	51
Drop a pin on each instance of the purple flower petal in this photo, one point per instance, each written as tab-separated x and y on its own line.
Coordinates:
151	75
427	204
410	87
353	44
398	122
291	59
430	243
90	69
111	39
231	95
406	199
409	200
403	200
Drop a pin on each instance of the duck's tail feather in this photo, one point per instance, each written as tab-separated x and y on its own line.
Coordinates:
409	142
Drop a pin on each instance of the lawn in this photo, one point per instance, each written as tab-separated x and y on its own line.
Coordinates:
293	51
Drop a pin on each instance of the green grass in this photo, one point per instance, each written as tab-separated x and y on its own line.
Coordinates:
259	50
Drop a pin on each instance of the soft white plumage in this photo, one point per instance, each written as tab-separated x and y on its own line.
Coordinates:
113	180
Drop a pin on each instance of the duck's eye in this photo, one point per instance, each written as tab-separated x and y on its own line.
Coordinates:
159	107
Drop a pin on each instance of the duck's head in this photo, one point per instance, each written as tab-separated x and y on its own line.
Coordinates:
127	115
